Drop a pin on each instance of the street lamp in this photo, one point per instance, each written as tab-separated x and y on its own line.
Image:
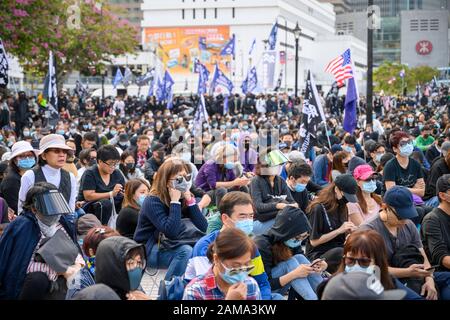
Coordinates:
297	32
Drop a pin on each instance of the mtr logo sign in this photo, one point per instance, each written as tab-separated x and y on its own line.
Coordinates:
424	47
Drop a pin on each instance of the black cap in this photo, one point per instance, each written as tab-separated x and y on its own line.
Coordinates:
443	184
123	137
348	185
158	147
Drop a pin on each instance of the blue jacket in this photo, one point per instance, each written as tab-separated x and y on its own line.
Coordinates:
320	169
17	244
155	217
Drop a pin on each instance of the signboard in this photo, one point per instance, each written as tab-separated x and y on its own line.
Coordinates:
179	47
424	47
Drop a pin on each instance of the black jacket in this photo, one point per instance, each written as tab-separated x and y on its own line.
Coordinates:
289	223
150	168
432	153
266	198
110	260
9	188
127	221
438	169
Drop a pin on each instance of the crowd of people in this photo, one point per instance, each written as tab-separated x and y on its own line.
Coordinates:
229	209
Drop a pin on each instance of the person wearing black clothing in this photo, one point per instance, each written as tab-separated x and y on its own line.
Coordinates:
298	179
328	216
249	105
283	258
21	113
152	165
440	167
434	151
435	231
102	182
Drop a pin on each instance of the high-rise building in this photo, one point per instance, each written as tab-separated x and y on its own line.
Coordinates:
387	40
129	10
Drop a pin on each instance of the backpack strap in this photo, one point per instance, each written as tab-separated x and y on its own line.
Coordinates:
327	218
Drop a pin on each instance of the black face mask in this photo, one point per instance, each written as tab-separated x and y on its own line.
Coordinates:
247	145
425	136
343	201
92	162
130	166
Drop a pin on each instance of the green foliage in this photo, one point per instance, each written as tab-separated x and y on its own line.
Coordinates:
387	77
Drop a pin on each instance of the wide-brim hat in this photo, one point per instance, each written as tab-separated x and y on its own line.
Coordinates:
21	147
55	141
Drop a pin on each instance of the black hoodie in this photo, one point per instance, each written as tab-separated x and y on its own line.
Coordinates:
289	223
110	268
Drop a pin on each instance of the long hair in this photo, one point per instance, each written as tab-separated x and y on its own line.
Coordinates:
327	197
280	253
169	168
338	163
369	243
130	189
362	201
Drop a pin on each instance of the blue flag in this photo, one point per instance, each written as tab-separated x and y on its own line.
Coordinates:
220	79
202	43
351	99
229	48
251	82
118	78
273	36
252	47
225	105
168	89
200	116
160	90
203	75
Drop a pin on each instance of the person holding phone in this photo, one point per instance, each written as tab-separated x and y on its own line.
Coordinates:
101	183
401	236
163	212
283	258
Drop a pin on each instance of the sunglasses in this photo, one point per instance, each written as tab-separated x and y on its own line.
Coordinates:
180	179
362	262
235	271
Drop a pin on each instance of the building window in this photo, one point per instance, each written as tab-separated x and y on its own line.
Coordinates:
215	13
193	14
233	13
182	14
204	13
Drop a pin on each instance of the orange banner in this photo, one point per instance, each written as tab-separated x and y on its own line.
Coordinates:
178	48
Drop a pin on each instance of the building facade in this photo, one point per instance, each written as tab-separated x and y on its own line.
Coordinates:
172	29
129	10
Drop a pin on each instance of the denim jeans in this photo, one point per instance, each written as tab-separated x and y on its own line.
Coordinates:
175	260
305	287
432	202
442	282
261	227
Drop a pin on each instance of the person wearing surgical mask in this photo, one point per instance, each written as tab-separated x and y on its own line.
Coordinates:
128	166
369	203
298	177
164	212
376	153
25	275
283	258
228	277
365	251
269	191
236	211
136	191
403	170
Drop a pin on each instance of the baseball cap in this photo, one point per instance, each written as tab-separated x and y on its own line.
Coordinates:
359	286
86	223
335	148
401	199
347	184
295	156
363	172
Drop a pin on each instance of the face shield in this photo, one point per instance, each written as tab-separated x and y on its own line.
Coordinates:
51	203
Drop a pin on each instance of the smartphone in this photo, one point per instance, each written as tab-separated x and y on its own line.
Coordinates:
432	268
316	263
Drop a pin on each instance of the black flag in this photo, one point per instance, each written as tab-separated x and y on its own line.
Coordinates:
51	92
312	116
3	66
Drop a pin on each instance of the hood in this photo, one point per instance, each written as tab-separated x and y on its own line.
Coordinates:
110	263
289	223
96	292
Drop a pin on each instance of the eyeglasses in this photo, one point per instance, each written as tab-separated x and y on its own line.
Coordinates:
235	271
179	179
111	165
132	264
404	143
362	262
24	156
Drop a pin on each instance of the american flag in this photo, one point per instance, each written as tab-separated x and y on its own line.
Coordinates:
341	67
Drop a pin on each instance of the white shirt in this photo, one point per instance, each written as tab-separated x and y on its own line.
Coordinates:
52	176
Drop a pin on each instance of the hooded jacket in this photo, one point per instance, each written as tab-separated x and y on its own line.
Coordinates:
289	223
110	264
17	245
248	158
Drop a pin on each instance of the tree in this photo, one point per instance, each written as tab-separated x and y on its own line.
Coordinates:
82	34
387	77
